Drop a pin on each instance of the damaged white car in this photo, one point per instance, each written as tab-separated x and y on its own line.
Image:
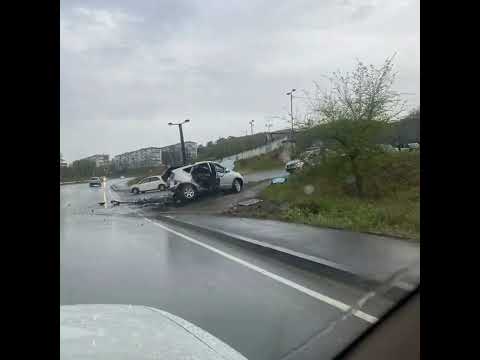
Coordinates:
187	182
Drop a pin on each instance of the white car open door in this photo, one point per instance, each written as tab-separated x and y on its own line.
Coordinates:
225	177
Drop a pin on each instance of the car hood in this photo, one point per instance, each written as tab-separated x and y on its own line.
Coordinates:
135	332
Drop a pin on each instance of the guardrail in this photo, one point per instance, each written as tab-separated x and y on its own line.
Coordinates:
73	182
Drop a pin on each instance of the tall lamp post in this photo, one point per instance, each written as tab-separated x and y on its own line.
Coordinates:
268	125
251	125
290	93
184	156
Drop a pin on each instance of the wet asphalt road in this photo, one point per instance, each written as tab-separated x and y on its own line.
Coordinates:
113	255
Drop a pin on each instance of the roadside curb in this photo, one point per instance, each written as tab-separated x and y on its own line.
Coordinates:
292	257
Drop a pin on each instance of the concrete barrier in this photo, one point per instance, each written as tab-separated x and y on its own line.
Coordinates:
229	161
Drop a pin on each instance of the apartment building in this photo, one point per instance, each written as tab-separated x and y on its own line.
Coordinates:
155	156
146	157
99	159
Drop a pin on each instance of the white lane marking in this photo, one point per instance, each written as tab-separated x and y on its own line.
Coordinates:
326	299
105	194
275	247
110	196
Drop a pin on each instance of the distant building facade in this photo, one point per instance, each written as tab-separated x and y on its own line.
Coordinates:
63	163
172	155
100	160
156	156
146	157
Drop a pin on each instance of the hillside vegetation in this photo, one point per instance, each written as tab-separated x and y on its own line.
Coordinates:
354	183
224	147
325	196
272	160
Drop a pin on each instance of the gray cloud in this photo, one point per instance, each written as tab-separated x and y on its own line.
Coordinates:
130	67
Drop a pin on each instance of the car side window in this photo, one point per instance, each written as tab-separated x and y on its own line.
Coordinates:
202	169
218	168
146	180
154	178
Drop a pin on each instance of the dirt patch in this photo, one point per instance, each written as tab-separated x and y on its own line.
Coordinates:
262	210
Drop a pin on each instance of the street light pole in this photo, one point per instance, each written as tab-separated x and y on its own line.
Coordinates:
182	143
184	155
291	106
251	125
268	125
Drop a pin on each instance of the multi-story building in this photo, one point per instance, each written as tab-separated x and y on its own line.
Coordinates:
63	163
172	155
191	150
99	159
146	157
155	156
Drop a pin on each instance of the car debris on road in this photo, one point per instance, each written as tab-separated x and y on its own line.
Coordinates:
249	202
143	201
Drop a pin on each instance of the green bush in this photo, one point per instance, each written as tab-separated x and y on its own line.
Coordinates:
392	204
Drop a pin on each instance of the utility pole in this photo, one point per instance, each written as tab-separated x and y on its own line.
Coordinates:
290	93
268	125
251	125
184	156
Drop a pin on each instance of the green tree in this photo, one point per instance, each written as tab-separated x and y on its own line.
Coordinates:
83	168
356	110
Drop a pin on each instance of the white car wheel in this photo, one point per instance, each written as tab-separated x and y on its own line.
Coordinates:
237	185
188	192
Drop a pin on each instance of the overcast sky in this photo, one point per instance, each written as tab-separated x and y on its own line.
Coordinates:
128	67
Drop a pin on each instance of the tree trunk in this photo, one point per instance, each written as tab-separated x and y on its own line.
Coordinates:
358	178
